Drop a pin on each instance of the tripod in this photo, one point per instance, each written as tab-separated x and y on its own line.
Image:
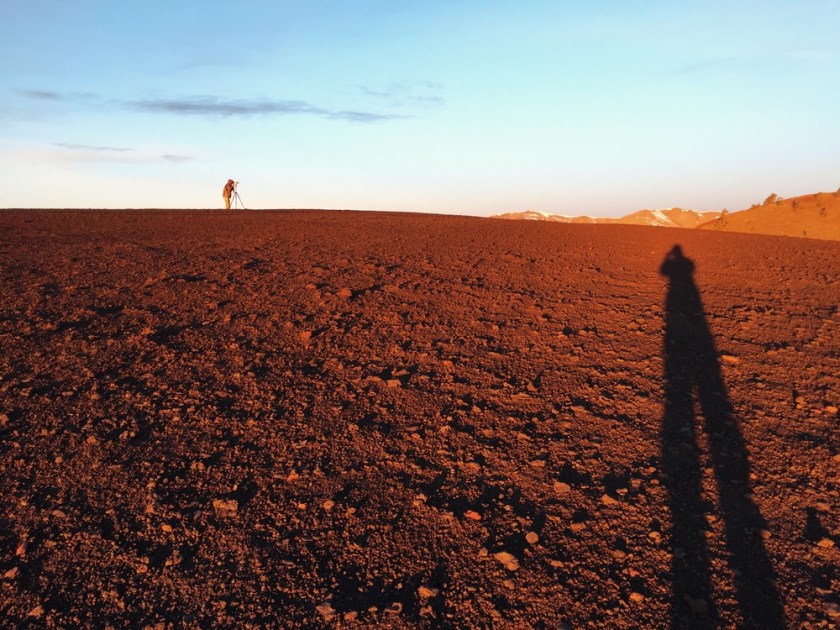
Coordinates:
237	200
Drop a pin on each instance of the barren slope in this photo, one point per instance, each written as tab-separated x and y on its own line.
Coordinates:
321	418
811	216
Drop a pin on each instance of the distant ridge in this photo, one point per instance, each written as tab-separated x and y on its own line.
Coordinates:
810	216
672	217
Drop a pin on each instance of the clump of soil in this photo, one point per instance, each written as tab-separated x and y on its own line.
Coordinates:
393	420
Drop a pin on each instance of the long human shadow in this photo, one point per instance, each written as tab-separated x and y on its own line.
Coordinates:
692	373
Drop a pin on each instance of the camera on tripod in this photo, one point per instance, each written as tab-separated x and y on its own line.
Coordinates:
237	200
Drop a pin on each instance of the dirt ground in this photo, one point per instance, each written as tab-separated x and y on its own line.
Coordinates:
342	419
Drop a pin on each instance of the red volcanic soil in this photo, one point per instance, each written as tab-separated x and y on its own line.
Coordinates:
331	419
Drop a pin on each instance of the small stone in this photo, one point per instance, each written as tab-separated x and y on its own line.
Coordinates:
508	584
472	515
532	538
11	574
507	559
167	528
729	359
221	505
36	612
832	609
577	527
825	543
344	292
538	463
562	488
328	505
394	609
636	597
326	610
608	500
59	514
425	592
351	615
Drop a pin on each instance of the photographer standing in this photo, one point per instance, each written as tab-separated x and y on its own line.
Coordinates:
228	192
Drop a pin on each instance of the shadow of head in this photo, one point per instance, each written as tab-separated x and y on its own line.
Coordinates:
676	265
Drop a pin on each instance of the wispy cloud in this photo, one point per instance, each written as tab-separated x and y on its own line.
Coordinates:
88	147
42	95
423	94
171	157
214	106
75	152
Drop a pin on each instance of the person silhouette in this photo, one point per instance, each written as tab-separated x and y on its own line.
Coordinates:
692	370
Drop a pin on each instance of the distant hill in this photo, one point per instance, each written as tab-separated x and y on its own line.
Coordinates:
811	216
672	217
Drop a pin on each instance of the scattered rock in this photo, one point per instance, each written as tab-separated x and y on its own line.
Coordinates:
326	610
562	488
228	506
507	559
532	538
608	500
36	612
425	592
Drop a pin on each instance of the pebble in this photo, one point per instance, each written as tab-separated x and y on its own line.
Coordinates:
351	615
825	543
11	574
532	538
425	592
636	597
472	515
326	610
608	500
328	505
36	612
507	559
220	505
562	488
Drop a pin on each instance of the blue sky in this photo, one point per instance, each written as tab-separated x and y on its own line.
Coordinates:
595	107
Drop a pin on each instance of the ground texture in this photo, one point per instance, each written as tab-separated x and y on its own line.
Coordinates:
330	419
